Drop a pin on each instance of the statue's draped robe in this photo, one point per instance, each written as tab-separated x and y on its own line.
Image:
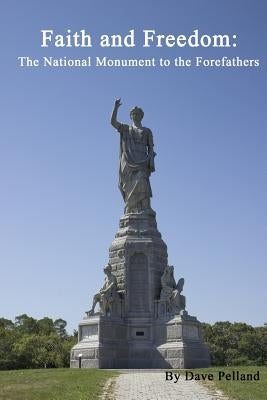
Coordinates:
106	299
136	164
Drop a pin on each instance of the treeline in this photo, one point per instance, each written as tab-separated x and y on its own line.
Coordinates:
32	343
44	343
236	344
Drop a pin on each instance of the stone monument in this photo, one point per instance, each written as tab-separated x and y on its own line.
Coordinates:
142	321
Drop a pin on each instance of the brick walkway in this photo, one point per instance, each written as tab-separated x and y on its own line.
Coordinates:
145	385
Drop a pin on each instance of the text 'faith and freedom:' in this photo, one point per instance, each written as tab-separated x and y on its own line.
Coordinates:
150	38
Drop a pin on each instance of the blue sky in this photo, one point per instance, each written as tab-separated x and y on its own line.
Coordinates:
60	204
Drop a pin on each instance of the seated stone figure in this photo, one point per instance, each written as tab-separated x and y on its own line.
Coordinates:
107	294
171	292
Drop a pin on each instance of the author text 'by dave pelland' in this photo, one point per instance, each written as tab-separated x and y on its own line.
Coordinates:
234	375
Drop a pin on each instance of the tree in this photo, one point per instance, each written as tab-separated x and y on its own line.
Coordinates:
35	351
31	343
60	327
6	324
7	338
262	343
236	344
26	324
46	326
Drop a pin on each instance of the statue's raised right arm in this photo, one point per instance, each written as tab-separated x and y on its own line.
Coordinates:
113	120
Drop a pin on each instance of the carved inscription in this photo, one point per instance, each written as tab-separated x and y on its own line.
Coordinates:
138	279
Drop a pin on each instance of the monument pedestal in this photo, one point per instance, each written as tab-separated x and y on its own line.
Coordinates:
159	343
141	330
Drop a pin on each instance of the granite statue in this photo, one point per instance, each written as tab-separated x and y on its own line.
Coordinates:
136	160
171	291
142	321
107	294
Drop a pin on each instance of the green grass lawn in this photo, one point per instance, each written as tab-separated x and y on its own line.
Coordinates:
52	384
239	390
87	384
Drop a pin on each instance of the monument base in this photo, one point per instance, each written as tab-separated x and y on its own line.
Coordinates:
143	322
106	342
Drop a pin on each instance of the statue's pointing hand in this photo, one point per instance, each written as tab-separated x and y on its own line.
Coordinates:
118	103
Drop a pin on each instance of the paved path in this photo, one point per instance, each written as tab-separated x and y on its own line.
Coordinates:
153	386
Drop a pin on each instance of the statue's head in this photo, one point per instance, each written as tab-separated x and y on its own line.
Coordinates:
107	268
137	114
170	269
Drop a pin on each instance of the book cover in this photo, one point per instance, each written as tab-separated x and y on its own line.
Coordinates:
198	71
